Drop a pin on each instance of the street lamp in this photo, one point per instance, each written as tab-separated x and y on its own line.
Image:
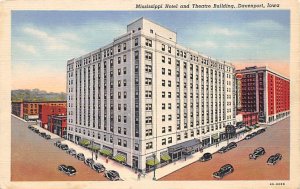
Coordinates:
92	149
154	158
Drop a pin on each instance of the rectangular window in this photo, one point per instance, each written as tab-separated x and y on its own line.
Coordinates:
169	60
163	94
148	42
125	82
163	106
163	71
163	47
124	58
169	83
163	129
169	72
163	59
119	48
124	46
170	140
163	118
169	49
124	143
136	42
163	141
124	70
136	146
169	94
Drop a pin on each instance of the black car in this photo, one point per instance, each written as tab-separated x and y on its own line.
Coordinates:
89	161
30	127
36	131
261	131
224	170
231	145
71	151
206	157
47	137
258	152
57	143
249	136
42	134
273	159
112	175
98	167
69	170
223	149
80	157
64	147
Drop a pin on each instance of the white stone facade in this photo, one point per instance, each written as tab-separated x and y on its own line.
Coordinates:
144	93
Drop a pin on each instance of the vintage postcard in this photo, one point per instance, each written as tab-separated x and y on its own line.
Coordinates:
187	94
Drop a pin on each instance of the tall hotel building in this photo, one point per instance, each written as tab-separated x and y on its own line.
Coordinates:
260	89
144	94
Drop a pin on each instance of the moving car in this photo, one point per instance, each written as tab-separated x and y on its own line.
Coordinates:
231	145
273	159
224	170
80	157
206	157
64	146
258	152
57	143
98	167
261	131
89	161
223	149
71	151
69	170
112	175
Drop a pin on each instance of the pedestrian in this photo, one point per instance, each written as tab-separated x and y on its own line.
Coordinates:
139	176
184	158
96	156
106	160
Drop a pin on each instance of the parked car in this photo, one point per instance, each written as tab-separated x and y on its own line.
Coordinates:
89	161
57	143
69	170
249	136
273	159
224	170
257	153
42	134
98	167
47	137
112	175
30	127
206	157
71	151
64	146
80	157
261	131
223	149
231	145
36	131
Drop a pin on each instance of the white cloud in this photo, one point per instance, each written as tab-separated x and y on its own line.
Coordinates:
27	48
265	25
224	31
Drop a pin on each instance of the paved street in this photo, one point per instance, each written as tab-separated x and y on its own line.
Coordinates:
36	159
275	140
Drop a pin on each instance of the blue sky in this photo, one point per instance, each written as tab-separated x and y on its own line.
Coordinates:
42	41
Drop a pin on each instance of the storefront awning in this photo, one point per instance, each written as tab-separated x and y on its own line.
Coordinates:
106	152
152	162
215	136
184	145
165	157
120	158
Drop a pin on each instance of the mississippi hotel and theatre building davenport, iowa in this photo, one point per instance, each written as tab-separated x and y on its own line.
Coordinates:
144	94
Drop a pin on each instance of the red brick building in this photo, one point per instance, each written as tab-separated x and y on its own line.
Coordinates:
50	109
30	110
260	89
57	124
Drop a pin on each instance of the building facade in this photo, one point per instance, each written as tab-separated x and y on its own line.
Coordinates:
247	118
30	110
265	91
147	98
50	109
57	124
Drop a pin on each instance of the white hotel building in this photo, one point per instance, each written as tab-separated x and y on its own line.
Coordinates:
144	94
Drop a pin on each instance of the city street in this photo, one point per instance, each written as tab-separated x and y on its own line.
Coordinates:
275	140
36	159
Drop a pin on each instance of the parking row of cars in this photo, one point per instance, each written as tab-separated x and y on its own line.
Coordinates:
37	131
98	167
249	136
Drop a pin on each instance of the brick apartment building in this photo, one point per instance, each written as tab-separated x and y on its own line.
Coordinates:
57	124
260	89
48	109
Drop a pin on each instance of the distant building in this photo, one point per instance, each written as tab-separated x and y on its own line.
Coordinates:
50	109
30	110
262	90
57	124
